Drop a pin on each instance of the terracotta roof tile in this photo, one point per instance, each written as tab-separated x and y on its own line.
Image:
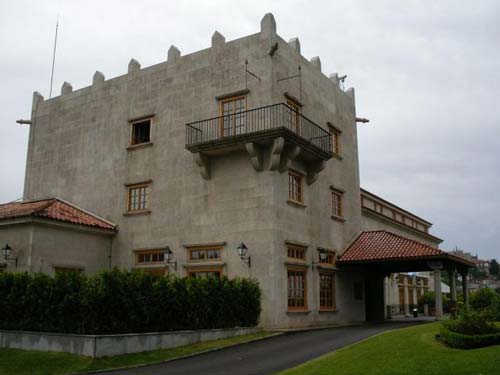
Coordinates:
55	209
383	245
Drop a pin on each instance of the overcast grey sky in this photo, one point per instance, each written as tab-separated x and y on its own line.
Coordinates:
426	73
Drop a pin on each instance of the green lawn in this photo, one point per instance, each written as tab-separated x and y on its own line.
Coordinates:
20	362
404	351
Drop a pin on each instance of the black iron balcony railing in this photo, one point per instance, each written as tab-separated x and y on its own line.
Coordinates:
262	119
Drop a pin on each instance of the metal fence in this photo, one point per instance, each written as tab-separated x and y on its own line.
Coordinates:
255	120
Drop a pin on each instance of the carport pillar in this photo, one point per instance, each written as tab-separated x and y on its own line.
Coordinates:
436	268
406	297
453	292
465	290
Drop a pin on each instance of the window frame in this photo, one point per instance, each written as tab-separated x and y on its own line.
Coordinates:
300	187
330	258
337	203
296	249
233	119
156	251
303	297
206	250
295	115
134	123
190	271
335	139
68	269
141	185
333	294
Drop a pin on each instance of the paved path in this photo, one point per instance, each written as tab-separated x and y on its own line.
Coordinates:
268	356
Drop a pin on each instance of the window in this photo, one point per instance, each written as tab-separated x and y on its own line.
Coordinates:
149	256
330	258
297	290
204	254
66	270
326	291
296	252
204	273
295	187
233	116
137	197
335	141
294	116
141	132
160	271
337	209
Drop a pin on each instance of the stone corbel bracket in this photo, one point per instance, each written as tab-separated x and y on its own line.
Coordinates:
276	151
313	170
204	163
289	155
256	155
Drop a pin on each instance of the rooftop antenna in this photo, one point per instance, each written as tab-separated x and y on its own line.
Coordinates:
299	76
53	59
247	72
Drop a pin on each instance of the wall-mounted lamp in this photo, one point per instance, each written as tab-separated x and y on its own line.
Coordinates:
7	251
322	254
168	257
242	250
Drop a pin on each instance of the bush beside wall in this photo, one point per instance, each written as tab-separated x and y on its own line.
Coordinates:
125	302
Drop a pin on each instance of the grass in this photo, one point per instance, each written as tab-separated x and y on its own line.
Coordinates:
22	362
406	351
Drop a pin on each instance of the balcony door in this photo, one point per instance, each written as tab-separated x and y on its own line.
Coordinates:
294	117
232	112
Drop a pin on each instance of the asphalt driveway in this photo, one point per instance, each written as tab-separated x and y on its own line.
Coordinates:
270	355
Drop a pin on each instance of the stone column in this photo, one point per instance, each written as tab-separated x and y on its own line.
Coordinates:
453	293
465	290
406	296
414	290
436	268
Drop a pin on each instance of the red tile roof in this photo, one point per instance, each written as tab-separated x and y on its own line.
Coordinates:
382	245
55	209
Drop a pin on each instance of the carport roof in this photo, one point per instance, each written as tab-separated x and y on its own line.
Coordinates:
54	209
384	246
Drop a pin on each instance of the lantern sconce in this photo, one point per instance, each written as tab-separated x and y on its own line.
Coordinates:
6	252
242	250
168	258
322	254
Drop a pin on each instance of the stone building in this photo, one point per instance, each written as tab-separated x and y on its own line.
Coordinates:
245	142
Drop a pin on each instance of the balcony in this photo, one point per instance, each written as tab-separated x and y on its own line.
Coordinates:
273	136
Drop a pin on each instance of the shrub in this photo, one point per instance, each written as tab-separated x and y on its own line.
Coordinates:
124	302
471	323
429	298
473	329
458	340
486	300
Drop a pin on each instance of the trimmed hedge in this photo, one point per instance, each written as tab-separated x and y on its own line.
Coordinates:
459	340
125	302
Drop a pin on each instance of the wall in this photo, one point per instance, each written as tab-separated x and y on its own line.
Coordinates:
19	237
374	222
78	151
42	246
96	346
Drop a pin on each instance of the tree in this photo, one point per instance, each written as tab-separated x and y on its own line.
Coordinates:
494	268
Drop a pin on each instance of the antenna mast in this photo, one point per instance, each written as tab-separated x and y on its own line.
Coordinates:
53	59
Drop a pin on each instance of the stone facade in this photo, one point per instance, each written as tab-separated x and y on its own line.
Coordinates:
79	149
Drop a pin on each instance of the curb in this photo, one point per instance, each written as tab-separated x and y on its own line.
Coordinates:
180	357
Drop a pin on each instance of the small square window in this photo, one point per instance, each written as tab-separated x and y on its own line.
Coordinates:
141	132
138	199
